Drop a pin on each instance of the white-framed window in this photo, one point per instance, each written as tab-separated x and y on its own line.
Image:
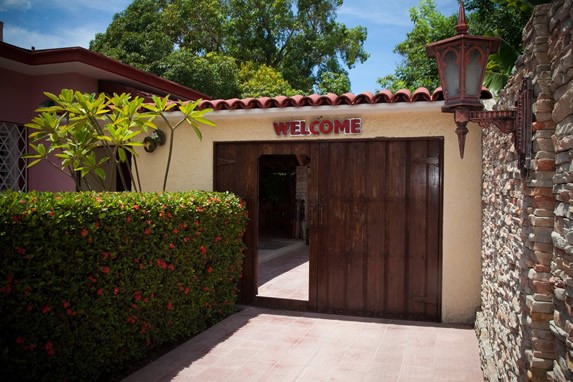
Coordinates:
13	144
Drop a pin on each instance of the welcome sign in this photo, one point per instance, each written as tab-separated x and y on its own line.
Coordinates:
315	127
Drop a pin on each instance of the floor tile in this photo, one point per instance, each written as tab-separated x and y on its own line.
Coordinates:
273	345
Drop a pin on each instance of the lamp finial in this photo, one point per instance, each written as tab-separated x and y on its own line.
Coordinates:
462	27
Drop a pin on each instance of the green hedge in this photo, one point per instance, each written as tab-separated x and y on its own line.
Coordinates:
91	281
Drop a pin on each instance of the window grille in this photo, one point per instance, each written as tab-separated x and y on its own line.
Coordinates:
13	171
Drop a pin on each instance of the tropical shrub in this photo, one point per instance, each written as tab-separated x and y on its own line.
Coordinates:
68	131
91	281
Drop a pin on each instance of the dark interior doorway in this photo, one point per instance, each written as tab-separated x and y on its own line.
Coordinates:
283	256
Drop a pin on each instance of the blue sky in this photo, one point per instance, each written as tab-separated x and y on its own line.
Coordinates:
63	23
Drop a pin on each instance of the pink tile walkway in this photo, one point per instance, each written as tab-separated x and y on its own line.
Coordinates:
285	276
265	345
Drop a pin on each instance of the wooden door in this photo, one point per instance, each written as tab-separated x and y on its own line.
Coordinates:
236	171
376	227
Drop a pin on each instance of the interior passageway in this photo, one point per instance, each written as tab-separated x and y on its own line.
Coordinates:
283	255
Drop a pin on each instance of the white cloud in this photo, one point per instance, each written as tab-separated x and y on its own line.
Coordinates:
388	13
80	36
109	6
15	4
73	6
377	13
27	38
59	23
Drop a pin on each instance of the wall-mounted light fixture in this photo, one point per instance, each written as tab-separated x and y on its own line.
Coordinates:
462	60
157	138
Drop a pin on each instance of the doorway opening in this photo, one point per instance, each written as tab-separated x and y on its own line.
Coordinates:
283	248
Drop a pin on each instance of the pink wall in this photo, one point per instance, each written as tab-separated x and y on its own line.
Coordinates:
20	95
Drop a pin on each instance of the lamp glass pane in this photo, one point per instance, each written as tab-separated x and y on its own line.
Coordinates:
473	73
452	73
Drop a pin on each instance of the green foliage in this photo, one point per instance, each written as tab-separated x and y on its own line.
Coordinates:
337	83
499	20
91	282
139	36
486	17
77	124
300	39
214	74
417	70
524	5
263	81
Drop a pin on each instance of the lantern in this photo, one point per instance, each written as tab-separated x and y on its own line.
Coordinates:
462	61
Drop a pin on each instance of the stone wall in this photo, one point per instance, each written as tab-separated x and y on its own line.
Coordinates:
560	45
526	322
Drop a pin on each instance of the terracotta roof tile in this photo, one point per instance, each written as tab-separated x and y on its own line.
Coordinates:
365	97
421	94
402	95
345	99
438	95
384	96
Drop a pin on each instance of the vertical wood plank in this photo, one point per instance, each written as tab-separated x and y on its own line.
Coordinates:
417	248
336	217
354	203
434	227
396	228
375	271
314	235
322	225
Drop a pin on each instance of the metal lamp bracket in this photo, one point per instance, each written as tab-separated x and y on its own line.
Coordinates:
518	122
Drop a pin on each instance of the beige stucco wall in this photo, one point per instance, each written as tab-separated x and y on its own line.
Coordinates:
192	168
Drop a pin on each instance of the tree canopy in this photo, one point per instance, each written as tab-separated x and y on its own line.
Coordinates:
501	18
416	70
189	41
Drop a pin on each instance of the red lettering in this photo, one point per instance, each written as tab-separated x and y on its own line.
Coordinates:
303	129
295	128
313	127
326	127
318	127
356	126
281	128
342	126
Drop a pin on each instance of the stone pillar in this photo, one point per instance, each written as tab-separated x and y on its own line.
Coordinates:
517	246
540	354
560	83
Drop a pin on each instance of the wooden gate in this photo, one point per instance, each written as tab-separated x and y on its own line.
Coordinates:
375	222
376	226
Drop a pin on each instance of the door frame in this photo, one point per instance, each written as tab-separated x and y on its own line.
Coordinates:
249	279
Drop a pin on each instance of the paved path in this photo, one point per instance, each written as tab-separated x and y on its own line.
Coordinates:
265	345
286	276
